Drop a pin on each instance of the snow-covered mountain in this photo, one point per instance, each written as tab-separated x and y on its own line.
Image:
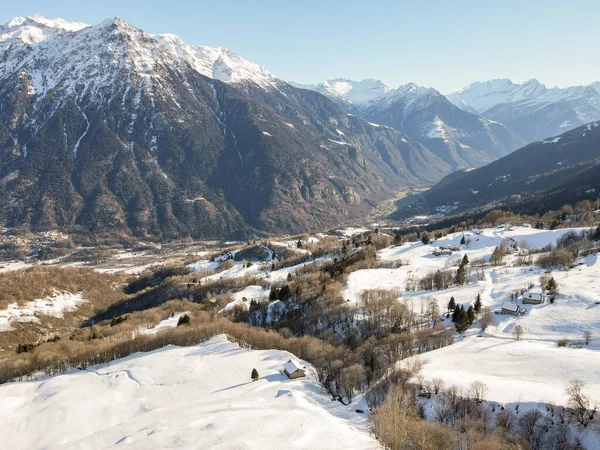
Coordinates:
460	138
53	52
107	128
530	108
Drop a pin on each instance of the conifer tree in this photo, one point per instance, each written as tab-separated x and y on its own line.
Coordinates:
425	238
254	375
463	240
462	319
461	275
284	293
478	305
552	287
465	260
456	313
451	304
471	314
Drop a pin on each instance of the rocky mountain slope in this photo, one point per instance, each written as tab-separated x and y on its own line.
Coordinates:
108	129
460	138
538	177
531	109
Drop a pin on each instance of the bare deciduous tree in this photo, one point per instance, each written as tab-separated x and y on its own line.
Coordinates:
478	390
529	427
579	403
587	337
438	384
351	380
518	332
506	420
487	318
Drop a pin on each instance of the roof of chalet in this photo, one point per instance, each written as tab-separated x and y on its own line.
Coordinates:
291	366
510	306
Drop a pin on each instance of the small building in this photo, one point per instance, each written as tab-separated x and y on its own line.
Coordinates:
293	370
533	298
510	308
526	225
442	251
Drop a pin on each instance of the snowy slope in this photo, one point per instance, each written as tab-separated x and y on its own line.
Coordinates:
190	397
531	370
525	370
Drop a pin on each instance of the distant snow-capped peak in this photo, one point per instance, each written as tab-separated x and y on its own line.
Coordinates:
484	95
411	95
370	93
356	92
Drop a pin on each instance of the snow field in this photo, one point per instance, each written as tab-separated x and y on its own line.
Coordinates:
191	397
531	370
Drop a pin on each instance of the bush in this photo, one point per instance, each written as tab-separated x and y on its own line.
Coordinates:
183	320
563	342
117	320
25	348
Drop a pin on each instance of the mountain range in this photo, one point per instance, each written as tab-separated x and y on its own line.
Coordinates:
109	129
460	138
531	109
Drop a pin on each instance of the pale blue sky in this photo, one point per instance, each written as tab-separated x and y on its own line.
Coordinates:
440	43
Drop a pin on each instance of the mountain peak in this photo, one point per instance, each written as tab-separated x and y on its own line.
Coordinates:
132	48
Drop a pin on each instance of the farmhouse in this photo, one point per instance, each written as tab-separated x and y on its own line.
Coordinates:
510	308
293	370
441	250
533	298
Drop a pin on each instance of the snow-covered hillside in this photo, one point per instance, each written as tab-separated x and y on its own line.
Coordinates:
531	370
191	397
